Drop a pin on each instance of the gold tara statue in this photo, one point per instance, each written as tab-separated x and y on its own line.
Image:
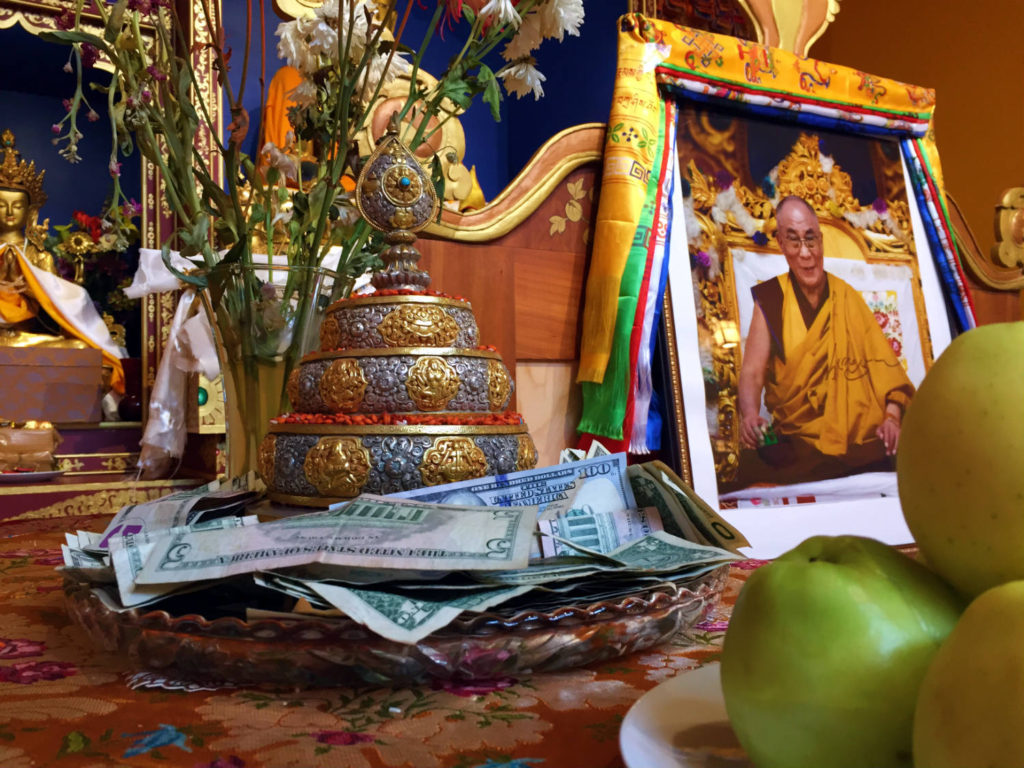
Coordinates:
28	276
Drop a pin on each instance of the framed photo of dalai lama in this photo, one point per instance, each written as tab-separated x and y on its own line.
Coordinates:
810	310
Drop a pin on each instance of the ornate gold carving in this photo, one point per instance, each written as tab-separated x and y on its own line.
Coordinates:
451	459
499	385
1009	248
526	455
432	383
343	385
292	387
801	174
330	332
265	459
337	466
418	325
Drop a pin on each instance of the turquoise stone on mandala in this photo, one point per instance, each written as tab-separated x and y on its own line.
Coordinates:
202	396
405	181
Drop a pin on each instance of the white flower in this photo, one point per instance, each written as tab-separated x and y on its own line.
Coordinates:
321	38
286	164
526	40
502	11
523	78
303	94
558	17
374	70
293	49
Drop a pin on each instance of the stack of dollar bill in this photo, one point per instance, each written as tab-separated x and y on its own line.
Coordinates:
407	565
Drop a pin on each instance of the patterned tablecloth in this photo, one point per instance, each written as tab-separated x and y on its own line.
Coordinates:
65	703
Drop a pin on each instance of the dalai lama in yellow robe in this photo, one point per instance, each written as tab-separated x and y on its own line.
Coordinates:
834	388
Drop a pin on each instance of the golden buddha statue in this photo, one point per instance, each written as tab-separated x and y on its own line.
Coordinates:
28	275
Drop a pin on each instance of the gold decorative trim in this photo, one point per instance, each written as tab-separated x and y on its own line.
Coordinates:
507	211
360	301
677	386
384	351
398	429
28	490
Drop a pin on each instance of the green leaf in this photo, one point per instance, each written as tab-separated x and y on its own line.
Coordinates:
113	27
322	749
70	36
457	90
197	280
492	92
76	741
437	179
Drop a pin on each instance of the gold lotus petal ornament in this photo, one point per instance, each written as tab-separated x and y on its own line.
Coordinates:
292	388
416	325
451	459
526	458
337	466
499	385
330	333
265	459
432	383
343	385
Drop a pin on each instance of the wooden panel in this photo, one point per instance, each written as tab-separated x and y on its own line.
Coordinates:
550	400
482	273
549	302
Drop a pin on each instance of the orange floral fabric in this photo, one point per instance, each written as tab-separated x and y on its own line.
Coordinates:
65	703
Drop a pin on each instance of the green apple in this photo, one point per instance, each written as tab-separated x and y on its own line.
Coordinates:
959	462
825	651
969	705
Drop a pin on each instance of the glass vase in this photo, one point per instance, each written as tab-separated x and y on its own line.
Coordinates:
264	319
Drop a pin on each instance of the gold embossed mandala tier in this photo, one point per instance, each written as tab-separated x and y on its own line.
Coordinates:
401	380
319	464
399	396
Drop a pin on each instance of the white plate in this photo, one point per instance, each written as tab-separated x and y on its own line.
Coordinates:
681	723
29	477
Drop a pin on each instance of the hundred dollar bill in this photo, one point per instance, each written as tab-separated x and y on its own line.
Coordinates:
597	531
707	521
597	449
605	487
369	532
404	618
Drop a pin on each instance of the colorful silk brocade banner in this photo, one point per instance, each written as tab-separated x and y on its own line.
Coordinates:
659	65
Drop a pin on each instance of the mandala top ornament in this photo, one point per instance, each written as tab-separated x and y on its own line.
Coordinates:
396	196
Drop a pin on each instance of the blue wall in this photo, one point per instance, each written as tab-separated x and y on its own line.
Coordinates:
31	98
579	74
578	89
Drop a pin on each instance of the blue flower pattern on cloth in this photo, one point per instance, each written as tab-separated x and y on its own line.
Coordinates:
164	736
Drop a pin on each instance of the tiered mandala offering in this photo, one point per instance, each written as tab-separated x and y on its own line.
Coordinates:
399	395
